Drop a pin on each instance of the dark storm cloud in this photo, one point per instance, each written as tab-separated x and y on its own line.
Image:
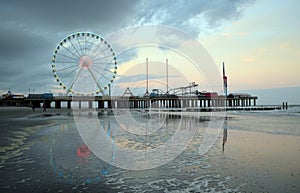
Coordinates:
30	30
15	43
58	15
20	54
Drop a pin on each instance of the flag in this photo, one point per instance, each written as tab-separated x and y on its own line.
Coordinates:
224	80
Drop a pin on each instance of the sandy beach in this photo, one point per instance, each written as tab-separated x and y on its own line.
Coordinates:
265	162
250	161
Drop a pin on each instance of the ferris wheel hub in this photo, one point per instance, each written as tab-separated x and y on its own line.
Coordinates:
85	62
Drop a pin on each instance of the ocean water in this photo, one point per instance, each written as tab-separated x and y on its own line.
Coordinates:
56	158
283	122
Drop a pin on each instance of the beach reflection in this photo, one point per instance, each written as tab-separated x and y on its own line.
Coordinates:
72	160
140	140
64	155
225	125
67	162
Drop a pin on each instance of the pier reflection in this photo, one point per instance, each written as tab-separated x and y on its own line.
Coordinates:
145	131
74	160
224	134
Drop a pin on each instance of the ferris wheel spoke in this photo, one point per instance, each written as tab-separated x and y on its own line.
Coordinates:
79	46
102	76
68	74
98	67
85	44
74	79
93	57
95	79
61	62
75	48
97	48
94	50
102	57
66	68
75	59
88	42
101	72
103	69
98	71
106	78
103	63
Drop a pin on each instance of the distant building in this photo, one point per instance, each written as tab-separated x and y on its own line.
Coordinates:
10	95
41	96
239	95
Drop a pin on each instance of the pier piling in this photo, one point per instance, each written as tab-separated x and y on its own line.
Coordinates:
284	105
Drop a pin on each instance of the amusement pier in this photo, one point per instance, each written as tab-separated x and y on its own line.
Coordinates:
132	102
182	99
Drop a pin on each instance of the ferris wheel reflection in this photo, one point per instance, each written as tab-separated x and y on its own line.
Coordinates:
73	160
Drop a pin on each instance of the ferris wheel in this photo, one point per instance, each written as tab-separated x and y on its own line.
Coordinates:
84	63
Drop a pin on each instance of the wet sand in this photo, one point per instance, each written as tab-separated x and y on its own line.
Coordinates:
15	118
261	162
250	161
22	112
25	136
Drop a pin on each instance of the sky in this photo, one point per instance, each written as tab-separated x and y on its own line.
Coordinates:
258	40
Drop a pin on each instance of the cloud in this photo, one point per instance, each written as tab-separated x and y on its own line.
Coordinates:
248	59
24	59
30	30
194	17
